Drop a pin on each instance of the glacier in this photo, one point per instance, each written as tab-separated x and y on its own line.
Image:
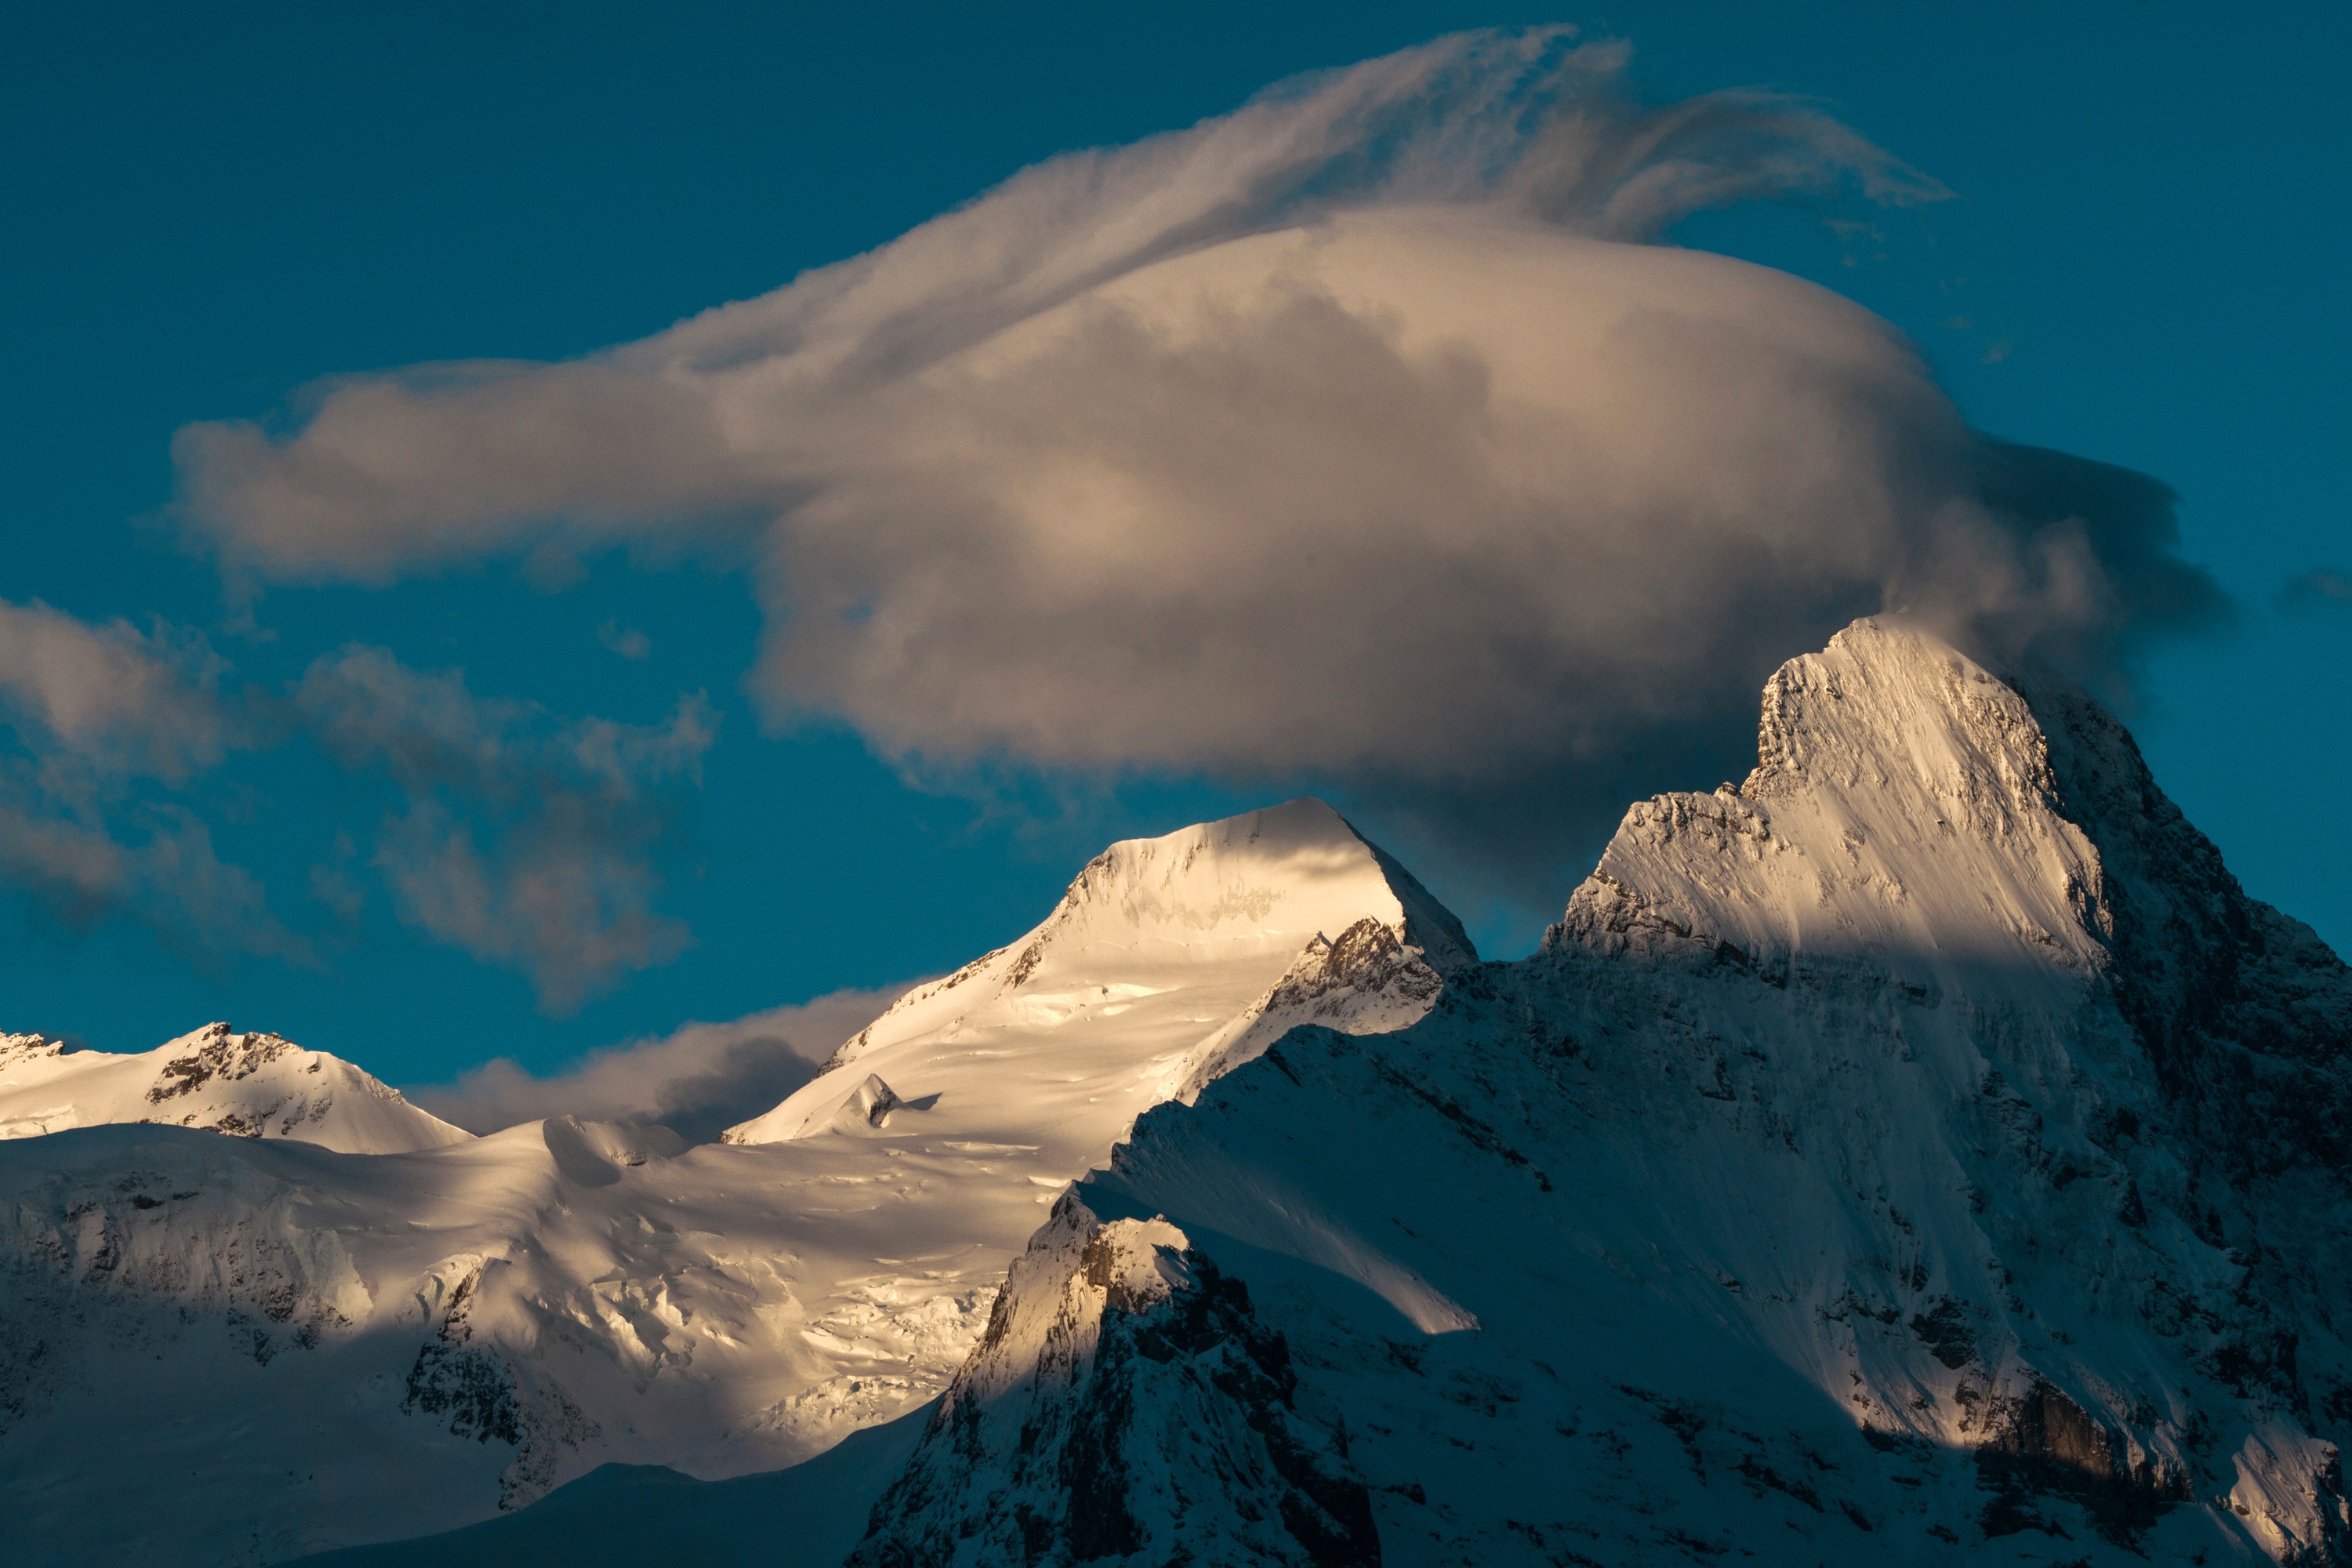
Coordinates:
1920	1151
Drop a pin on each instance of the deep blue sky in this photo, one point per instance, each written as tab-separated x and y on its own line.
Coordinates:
207	211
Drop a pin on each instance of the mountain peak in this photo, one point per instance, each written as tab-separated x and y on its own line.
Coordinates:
253	1085
1922	1148
1269	879
1156	943
1923	1145
1903	808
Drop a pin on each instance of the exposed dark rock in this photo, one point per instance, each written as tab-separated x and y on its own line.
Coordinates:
1367	958
1947	1333
2245	1013
473	1390
2043	1445
478	1394
1126	1405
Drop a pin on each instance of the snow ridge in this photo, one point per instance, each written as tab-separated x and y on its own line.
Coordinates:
1902	811
1150	940
249	1084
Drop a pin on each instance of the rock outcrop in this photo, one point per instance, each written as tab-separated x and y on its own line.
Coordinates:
1125	1405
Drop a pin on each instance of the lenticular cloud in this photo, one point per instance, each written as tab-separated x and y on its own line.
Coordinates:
1363	433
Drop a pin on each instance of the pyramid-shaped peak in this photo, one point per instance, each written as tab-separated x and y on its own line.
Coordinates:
1893	701
1903	806
1157	944
1273	876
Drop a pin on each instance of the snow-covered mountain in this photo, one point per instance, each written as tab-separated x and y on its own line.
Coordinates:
1921	1153
256	1086
1164	959
297	1348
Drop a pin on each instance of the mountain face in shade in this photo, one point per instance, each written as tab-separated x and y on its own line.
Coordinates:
1922	1153
299	1346
255	1086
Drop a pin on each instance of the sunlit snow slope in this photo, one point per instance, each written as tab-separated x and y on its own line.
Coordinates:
255	1085
1117	1002
296	1349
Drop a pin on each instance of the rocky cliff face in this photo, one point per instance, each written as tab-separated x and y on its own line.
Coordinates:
1125	1404
1921	1151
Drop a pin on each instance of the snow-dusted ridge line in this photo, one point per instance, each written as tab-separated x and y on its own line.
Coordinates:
255	1085
1902	811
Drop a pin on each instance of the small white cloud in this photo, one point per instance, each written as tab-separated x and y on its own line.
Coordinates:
2316	587
627	641
108	726
332	884
698	1079
107	694
527	838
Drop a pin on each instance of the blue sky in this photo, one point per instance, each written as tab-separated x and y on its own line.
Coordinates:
2138	267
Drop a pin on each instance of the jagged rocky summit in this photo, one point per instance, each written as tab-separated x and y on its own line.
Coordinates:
300	1346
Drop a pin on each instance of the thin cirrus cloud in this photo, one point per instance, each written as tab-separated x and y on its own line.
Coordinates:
627	641
103	725
110	695
698	1080
1365	435
2318	586
523	837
